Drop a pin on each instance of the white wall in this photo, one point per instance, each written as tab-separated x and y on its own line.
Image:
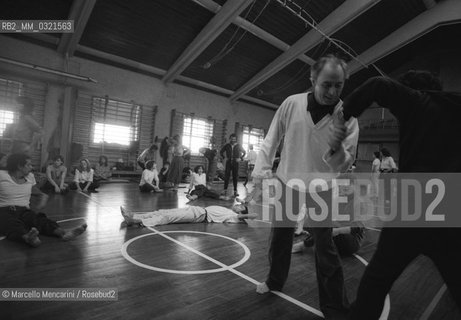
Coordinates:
124	85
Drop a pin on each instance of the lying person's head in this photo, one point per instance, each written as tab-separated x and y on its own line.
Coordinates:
240	208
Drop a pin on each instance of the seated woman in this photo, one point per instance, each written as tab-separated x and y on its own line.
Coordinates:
83	179
191	214
102	171
17	221
55	175
198	184
149	178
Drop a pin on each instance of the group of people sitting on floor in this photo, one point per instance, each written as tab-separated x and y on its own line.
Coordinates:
86	179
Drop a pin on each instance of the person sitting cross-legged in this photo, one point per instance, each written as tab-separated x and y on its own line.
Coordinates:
149	179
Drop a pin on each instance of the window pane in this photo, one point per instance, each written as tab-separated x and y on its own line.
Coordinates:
112	134
6	117
197	134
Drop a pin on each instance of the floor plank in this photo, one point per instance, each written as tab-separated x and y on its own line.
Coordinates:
95	260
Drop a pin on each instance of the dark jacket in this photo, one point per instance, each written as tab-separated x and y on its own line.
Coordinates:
238	152
429	123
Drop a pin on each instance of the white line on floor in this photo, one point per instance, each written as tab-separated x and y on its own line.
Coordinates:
244	276
430	308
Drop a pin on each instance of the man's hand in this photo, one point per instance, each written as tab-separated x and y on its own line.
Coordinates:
338	132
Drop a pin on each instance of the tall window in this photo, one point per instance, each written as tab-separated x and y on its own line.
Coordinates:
196	134
9	90
254	136
115	122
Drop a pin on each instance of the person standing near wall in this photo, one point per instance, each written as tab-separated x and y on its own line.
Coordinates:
148	154
375	174
233	153
27	133
251	157
177	165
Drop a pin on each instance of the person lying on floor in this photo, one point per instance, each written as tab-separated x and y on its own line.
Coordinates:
197	186
17	221
191	214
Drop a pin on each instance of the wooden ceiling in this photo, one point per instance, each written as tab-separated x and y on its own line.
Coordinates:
253	50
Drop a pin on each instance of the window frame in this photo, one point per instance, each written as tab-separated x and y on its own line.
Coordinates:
188	131
100	105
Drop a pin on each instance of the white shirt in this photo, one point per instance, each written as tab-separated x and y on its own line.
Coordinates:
197	179
388	163
190	214
375	165
251	156
14	194
84	176
220	215
305	154
149	176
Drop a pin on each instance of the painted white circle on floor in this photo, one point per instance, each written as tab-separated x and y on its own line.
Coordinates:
145	266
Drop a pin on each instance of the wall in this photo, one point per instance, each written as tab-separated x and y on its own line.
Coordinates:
123	85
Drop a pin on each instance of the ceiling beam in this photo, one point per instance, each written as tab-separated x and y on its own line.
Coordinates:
209	33
147	68
445	12
255	30
160	72
80	12
340	17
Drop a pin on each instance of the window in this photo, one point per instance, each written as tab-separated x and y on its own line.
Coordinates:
115	122
196	134
6	117
252	136
9	90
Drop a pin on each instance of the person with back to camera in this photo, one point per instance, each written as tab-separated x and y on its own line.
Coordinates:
428	122
147	154
177	164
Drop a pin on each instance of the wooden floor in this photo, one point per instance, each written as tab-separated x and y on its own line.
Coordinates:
185	251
